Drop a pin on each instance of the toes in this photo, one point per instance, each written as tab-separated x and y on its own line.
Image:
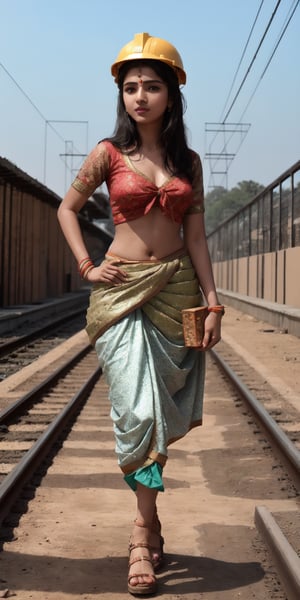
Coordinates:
140	579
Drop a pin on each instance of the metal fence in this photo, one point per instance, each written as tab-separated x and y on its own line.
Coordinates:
270	222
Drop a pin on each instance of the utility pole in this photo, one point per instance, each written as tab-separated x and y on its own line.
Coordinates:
222	143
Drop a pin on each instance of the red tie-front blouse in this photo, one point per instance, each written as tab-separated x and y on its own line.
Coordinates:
133	194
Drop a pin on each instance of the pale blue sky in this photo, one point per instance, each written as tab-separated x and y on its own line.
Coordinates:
60	53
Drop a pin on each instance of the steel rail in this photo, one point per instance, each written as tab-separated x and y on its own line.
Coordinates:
285	557
289	450
22	340
14	482
287	560
13	409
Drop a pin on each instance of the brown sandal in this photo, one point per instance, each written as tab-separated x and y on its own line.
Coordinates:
157	552
141	589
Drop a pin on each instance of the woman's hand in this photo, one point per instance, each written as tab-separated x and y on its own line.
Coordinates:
212	331
107	272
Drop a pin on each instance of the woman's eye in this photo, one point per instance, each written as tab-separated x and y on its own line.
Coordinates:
130	89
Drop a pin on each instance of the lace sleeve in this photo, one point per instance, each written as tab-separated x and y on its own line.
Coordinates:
197	205
93	171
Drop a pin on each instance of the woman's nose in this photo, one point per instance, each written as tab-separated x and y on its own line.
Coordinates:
141	94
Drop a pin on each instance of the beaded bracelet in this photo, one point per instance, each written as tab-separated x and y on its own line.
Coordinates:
217	309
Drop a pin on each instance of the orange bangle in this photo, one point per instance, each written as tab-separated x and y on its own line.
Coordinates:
84	273
84	266
217	309
83	262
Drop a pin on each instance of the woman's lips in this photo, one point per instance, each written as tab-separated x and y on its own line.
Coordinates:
141	111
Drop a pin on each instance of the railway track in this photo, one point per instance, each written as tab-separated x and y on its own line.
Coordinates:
285	556
276	404
18	351
279	418
31	425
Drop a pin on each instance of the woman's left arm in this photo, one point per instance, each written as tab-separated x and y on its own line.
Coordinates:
196	244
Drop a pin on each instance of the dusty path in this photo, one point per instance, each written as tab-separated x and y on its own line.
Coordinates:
72	542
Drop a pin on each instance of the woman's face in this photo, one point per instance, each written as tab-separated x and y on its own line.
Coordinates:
145	95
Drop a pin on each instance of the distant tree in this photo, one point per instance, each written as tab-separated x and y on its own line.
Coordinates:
220	204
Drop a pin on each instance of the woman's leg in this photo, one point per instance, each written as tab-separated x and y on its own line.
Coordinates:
141	571
146	503
147	513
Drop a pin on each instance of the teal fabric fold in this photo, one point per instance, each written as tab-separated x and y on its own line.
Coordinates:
150	476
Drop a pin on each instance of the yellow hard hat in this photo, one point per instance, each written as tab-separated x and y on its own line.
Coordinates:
145	46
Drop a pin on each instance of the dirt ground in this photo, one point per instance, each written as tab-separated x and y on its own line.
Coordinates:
72	542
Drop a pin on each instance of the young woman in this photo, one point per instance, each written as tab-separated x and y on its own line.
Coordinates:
157	265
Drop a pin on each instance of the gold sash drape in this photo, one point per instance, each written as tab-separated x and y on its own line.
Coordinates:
161	288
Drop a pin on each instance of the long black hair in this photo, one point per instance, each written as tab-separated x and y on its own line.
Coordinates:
177	156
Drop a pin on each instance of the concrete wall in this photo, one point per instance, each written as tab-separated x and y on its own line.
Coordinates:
273	277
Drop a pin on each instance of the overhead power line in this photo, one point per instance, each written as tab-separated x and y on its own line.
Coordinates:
47	122
29	100
285	26
287	21
215	157
241	59
223	126
252	61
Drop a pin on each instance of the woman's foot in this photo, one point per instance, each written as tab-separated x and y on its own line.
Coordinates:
141	577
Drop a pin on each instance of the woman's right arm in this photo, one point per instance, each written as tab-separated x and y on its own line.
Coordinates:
67	216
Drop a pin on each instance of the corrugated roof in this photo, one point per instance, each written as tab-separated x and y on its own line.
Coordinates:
10	173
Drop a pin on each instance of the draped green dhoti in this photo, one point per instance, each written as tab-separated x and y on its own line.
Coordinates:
156	383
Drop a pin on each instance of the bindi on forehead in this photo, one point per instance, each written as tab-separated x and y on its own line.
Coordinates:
141	76
141	81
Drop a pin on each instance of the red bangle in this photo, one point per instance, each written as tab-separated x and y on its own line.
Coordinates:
83	262
84	273
217	309
84	266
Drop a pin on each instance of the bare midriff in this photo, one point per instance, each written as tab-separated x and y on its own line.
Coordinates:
151	237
